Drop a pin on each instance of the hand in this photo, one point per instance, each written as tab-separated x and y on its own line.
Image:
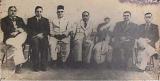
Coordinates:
148	40
124	39
109	48
65	33
14	33
20	30
40	35
89	41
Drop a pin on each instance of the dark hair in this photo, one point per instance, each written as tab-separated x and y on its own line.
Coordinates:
85	12
148	13
127	12
60	7
12	7
106	18
37	7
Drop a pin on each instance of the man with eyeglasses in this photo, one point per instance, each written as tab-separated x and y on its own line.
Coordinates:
13	28
38	30
124	34
60	38
150	33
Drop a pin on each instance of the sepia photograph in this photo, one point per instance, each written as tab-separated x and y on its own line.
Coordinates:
80	40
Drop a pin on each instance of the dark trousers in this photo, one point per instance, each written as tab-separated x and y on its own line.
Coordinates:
122	57
39	52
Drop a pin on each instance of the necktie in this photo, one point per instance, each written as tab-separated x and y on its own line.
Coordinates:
85	24
147	27
125	25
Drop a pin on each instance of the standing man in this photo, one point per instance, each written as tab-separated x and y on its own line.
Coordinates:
125	33
83	39
13	28
150	33
38	28
60	38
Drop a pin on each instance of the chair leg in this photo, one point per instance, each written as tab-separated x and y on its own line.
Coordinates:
3	58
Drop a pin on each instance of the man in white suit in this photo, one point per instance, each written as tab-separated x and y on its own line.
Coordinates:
83	39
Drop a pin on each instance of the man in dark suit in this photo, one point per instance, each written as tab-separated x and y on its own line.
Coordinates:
149	30
13	35
150	33
124	37
38	29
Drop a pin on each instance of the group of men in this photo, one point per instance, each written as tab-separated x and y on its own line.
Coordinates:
60	39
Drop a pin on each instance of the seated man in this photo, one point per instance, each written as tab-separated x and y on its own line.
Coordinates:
38	29
60	38
102	47
14	35
150	33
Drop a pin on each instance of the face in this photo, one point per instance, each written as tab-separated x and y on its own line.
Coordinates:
12	12
38	12
126	16
106	20
85	16
148	18
60	13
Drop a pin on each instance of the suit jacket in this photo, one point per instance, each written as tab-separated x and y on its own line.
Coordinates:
8	27
84	33
128	31
35	27
151	33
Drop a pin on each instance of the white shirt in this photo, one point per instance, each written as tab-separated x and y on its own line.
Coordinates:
59	26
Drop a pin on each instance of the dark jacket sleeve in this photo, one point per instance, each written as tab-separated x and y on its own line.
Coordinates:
4	30
29	27
22	24
47	28
156	30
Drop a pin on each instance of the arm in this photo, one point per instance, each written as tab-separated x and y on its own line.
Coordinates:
47	28
156	30
29	28
22	26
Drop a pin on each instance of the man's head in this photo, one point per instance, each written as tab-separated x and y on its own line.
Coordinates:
12	11
85	16
106	20
60	11
148	17
126	15
38	11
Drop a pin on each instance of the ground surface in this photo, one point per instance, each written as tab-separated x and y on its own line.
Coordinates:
74	74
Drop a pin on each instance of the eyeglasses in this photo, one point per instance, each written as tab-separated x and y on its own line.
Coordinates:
39	11
60	11
85	15
148	16
126	15
13	10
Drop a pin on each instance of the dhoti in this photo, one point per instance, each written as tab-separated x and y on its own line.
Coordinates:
143	55
17	42
101	50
